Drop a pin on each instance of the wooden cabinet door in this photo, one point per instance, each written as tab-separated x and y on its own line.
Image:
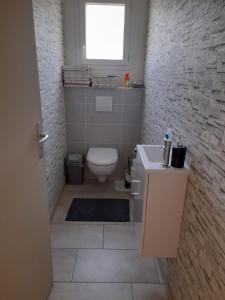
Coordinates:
163	207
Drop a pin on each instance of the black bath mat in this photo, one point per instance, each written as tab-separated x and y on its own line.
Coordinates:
99	210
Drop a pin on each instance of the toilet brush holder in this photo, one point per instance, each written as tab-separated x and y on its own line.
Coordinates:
127	179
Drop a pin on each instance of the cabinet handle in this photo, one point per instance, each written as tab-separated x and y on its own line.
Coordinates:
135	181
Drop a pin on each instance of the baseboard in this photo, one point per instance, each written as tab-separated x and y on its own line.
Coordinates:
52	208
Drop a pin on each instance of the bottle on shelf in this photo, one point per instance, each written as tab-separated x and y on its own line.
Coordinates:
126	79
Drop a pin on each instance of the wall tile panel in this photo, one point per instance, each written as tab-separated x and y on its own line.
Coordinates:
117	129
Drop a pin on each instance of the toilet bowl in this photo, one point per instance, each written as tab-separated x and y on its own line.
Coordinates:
102	162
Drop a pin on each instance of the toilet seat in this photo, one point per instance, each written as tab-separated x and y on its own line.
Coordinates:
102	156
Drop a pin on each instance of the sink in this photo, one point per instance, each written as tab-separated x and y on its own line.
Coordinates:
158	199
154	153
152	158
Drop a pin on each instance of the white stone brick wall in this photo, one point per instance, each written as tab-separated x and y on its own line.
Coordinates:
185	90
49	42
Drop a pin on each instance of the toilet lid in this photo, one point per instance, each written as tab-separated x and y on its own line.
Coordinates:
102	156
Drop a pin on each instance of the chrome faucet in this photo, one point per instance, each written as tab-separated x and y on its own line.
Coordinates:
167	148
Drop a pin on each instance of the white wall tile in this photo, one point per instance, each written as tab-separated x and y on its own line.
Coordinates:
76	132
76	113
99	129
131	134
75	95
132	114
94	117
106	134
133	96
77	147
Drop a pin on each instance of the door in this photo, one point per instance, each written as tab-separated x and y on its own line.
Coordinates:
25	260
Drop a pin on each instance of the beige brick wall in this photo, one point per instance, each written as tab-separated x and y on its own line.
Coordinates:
185	90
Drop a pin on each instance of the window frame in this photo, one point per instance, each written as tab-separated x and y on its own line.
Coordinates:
104	62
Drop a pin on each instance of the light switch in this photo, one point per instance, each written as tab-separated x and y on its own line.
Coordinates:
104	103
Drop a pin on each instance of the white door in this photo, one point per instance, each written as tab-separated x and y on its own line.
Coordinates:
25	260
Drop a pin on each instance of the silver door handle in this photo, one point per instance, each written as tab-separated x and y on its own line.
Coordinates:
134	194
43	138
135	181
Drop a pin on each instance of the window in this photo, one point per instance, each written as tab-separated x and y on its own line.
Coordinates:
133	45
105	31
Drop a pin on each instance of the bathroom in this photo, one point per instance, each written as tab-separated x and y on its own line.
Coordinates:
126	222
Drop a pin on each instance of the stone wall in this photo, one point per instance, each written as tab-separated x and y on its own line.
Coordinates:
185	90
49	41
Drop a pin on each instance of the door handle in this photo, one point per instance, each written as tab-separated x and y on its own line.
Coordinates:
41	138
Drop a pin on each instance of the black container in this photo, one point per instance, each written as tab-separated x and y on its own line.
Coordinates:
178	156
74	168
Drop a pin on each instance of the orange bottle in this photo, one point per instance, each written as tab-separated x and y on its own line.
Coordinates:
126	79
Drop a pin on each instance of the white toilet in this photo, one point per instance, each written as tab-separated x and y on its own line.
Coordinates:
102	162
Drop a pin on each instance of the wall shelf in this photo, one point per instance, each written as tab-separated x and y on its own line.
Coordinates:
103	87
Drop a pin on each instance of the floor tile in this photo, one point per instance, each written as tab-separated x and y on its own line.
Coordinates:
91	291
76	236
63	264
62	206
121	236
159	270
101	265
148	292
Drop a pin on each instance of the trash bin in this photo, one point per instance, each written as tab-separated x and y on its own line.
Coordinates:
74	168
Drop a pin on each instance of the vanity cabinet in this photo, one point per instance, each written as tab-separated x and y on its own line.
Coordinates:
158	195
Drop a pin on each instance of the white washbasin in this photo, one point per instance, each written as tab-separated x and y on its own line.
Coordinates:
152	158
154	153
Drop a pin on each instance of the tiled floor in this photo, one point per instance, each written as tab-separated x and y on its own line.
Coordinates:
121	236
90	189
101	265
76	236
63	264
100	261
